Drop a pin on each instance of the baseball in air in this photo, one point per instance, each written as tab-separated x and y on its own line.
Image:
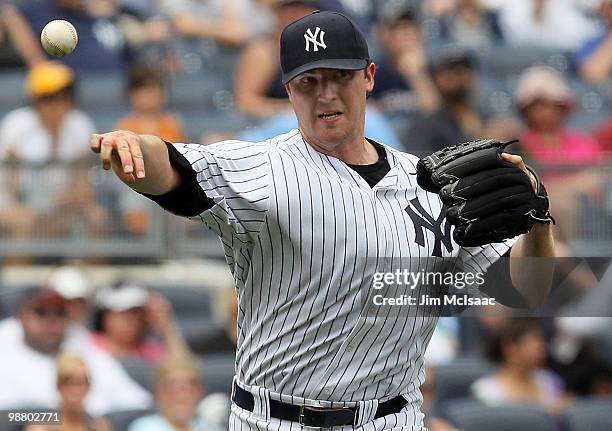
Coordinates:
59	38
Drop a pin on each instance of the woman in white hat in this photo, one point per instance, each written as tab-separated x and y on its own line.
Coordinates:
127	318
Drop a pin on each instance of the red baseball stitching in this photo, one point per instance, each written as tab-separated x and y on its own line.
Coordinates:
59	49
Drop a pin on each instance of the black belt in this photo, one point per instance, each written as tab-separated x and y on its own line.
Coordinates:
319	417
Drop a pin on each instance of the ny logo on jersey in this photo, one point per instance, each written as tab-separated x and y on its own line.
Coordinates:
312	38
422	220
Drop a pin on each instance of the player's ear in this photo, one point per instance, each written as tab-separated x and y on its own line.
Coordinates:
370	71
288	90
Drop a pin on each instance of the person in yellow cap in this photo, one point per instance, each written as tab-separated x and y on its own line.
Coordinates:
47	131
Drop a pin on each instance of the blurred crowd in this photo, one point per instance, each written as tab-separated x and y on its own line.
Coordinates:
93	351
134	357
207	70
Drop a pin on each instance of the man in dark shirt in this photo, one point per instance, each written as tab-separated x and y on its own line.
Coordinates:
403	86
458	120
102	45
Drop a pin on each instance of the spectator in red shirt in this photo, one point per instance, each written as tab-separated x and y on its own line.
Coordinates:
564	156
127	316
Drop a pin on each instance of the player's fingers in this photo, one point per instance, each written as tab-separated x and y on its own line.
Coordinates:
106	150
94	142
518	161
125	155
137	158
127	178
515	160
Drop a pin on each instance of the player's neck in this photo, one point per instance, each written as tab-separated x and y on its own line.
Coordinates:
357	151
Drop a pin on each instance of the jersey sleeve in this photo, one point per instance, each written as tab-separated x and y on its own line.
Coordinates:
234	177
479	259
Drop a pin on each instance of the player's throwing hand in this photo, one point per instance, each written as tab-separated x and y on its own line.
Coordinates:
126	152
122	151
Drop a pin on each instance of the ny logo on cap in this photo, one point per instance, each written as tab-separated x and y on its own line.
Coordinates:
312	38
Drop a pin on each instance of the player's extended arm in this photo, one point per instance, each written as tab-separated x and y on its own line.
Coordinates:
140	161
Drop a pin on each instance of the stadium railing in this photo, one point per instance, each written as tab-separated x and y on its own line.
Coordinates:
83	211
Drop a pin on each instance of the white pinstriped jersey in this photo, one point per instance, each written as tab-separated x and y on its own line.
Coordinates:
302	234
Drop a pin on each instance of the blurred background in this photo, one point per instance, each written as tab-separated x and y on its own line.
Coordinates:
113	308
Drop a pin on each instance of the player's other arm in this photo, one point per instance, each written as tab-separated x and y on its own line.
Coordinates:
530	271
140	161
532	278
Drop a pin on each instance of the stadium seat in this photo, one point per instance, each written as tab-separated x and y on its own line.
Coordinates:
470	415
140	371
120	420
503	61
186	301
218	372
454	380
106	118
197	121
97	91
12	90
194	90
10	298
203	334
589	415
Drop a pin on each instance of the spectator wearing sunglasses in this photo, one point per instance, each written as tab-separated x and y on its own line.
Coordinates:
29	354
73	385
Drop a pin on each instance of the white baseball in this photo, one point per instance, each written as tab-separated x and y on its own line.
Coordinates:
59	38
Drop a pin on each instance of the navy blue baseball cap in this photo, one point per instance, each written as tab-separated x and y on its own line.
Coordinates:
323	39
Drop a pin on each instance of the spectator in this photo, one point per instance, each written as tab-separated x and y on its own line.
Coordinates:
471	25
126	314
27	363
549	24
432	421
458	119
403	86
178	390
9	57
102	45
228	22
70	283
438	8
50	130
148	98
603	134
520	350
73	286
362	12
544	102
594	58
262	94
73	385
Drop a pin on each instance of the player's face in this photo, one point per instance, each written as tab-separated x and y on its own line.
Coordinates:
330	104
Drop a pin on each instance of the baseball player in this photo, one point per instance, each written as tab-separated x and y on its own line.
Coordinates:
306	218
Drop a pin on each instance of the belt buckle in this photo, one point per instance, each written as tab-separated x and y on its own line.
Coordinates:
321	409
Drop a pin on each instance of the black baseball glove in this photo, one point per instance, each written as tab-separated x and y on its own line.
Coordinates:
487	198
